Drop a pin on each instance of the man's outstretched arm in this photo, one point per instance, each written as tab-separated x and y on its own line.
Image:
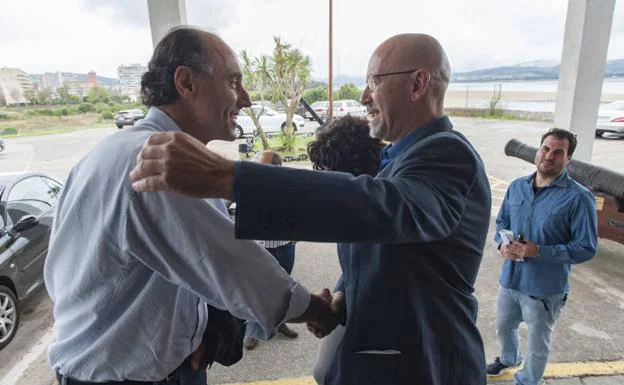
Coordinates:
177	162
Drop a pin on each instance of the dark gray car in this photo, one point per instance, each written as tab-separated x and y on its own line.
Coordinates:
28	202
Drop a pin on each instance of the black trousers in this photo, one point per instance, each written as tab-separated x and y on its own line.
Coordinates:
183	375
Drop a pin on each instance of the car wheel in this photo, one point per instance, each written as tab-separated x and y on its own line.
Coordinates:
599	133
9	317
294	126
120	126
238	132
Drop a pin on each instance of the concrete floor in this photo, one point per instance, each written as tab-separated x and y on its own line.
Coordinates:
589	329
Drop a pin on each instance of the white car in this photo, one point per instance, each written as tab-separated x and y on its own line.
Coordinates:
611	118
270	120
348	107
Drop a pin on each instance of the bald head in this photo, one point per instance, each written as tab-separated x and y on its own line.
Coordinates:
414	50
270	157
407	78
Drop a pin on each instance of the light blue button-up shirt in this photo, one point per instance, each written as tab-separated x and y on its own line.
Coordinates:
561	219
131	273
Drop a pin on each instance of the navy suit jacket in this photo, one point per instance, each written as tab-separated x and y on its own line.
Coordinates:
416	234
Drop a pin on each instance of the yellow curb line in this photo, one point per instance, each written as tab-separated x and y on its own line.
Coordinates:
573	369
554	370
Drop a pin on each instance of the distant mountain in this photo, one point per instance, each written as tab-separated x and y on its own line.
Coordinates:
340	80
538	63
615	68
535	70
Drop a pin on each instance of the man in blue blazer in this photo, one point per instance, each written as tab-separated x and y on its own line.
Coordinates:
415	232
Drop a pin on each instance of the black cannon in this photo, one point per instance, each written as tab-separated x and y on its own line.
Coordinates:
606	185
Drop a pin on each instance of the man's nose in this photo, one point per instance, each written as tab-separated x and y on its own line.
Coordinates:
244	100
365	98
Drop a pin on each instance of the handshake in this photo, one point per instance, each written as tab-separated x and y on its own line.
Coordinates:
324	312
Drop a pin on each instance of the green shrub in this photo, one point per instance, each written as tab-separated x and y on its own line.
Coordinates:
9	131
64	112
107	115
100	107
85	107
5	117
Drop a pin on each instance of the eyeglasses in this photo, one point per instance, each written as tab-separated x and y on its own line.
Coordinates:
370	79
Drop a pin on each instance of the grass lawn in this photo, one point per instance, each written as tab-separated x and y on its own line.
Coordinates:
275	144
48	125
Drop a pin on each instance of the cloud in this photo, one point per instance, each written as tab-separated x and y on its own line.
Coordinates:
79	35
130	12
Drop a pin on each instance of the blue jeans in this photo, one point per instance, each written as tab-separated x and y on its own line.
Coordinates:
285	256
540	315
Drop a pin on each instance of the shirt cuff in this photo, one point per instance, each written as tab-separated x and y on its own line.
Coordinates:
299	301
237	173
545	252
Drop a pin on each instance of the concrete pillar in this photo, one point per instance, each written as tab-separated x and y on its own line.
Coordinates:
587	33
164	15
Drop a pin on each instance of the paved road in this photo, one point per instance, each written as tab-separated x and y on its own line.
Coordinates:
589	329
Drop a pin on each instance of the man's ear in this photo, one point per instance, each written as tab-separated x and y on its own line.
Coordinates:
183	80
420	81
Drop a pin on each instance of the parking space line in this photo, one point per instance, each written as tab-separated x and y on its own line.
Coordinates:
16	372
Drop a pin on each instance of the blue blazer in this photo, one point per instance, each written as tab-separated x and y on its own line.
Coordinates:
416	234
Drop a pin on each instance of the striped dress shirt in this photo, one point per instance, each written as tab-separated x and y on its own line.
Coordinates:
130	273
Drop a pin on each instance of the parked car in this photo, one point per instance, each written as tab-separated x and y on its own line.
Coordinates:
28	202
611	118
348	107
320	108
128	118
279	107
271	121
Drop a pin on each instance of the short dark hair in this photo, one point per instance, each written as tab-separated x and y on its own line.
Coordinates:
561	134
348	147
182	46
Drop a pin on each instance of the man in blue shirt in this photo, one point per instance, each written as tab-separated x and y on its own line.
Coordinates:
412	236
556	217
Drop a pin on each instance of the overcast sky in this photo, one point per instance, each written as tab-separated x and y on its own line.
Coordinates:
81	35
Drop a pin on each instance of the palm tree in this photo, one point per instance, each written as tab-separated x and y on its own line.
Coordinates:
253	80
285	75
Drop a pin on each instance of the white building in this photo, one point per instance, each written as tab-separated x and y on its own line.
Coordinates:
50	81
130	80
15	86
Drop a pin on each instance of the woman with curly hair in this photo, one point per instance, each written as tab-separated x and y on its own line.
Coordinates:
347	147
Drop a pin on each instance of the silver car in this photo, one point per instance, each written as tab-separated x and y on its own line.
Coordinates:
611	119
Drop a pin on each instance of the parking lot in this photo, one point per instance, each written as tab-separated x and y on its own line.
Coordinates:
589	328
